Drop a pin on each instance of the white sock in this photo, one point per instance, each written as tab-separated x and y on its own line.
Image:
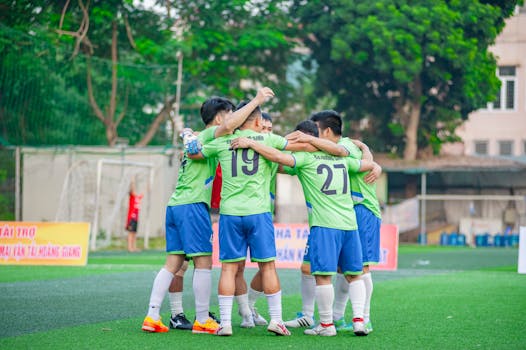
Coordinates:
368	281
253	296
176	302
308	287
160	287
274	306
202	286
242	302
341	296
357	297
325	299
225	309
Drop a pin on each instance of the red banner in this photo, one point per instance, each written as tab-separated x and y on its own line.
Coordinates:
290	246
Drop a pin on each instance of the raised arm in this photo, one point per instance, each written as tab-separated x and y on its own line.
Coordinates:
269	153
238	117
298	137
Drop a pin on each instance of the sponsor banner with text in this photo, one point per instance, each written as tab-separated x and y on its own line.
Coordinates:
290	246
44	243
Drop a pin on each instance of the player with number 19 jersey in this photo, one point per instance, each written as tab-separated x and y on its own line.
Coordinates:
246	175
245	220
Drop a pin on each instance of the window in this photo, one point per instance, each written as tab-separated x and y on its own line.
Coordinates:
506	148
481	148
507	94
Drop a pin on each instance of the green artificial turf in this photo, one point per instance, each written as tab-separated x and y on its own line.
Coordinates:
438	299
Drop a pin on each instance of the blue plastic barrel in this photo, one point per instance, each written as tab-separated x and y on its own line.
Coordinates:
498	240
453	238
487	240
514	240
461	239
444	240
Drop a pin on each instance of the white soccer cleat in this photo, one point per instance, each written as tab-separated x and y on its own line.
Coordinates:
224	330
359	328
248	322
328	331
258	319
300	321
277	328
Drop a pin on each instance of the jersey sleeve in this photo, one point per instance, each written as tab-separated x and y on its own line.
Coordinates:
210	149
276	141
354	164
207	135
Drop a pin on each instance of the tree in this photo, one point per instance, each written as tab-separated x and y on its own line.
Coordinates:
416	69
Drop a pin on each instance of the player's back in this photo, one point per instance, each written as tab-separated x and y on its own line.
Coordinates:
246	175
326	186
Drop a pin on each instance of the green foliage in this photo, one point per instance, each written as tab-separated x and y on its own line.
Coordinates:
370	55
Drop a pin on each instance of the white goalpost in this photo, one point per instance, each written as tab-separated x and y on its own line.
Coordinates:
96	191
129	170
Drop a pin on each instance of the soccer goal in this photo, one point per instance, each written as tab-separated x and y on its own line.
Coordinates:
97	192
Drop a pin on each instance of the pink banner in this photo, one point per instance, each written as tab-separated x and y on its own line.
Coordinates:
290	246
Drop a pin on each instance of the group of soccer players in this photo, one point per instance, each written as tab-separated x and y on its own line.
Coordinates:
344	238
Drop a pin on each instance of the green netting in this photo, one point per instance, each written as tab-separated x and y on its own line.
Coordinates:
44	97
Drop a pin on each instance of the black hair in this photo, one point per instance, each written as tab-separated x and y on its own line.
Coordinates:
214	105
253	115
308	127
328	119
266	116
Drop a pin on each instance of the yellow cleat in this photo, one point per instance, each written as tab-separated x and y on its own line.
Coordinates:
210	326
150	325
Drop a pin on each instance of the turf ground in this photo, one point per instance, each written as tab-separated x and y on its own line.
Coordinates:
440	298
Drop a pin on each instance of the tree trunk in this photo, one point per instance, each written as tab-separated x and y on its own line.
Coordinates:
154	126
412	117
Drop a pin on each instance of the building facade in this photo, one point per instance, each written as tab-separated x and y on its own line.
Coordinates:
500	128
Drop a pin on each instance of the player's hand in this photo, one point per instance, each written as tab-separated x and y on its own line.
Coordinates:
263	94
298	136
240	142
373	174
193	146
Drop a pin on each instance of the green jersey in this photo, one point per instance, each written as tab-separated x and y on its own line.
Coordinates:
246	175
325	182
361	192
194	181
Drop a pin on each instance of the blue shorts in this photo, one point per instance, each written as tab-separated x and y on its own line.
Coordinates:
188	230
306	257
332	248
369	229
238	233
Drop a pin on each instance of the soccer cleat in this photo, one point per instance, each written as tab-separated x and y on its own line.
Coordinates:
340	324
359	327
214	317
324	331
278	328
368	327
180	321
210	326
150	325
224	331
248	322
258	319
300	321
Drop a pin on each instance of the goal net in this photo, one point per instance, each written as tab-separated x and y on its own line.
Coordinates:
98	192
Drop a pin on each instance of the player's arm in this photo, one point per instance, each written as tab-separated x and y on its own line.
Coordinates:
238	117
269	153
366	152
317	143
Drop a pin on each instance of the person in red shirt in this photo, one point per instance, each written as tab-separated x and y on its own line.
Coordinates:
133	217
